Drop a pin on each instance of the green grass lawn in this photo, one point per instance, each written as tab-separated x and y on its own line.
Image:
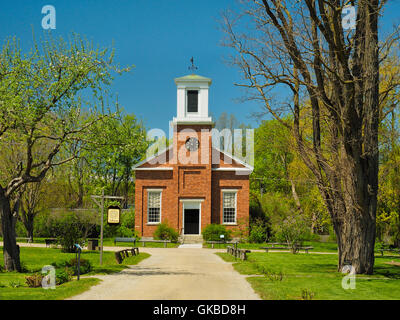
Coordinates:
315	273
13	286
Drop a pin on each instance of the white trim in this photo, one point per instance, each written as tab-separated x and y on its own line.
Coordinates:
152	157
199	201
176	121
154	168
236	159
231	169
229	191
191	200
148	191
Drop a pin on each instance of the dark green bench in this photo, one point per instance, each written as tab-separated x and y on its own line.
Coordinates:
133	240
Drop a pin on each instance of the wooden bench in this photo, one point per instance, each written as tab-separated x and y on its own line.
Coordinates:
389	250
122	254
133	240
50	241
306	249
156	241
29	239
237	253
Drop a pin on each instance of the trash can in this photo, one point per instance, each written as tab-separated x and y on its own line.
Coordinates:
92	244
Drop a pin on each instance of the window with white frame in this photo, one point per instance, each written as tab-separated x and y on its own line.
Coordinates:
229	206
154	206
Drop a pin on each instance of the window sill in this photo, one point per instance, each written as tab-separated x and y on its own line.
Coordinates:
152	223
230	224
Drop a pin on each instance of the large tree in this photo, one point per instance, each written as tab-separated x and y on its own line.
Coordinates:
328	75
41	104
120	143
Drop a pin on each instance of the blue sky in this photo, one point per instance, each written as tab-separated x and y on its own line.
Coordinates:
159	37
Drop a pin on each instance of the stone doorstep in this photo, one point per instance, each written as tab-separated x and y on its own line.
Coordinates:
192	239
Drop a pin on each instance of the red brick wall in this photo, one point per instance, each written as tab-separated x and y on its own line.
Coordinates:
155	180
230	180
192	180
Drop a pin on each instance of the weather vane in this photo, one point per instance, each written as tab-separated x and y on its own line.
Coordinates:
192	67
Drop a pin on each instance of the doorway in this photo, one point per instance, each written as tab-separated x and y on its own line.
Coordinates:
191	217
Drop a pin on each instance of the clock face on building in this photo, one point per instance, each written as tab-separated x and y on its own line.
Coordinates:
192	144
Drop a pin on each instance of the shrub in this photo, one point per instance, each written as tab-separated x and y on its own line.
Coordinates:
165	232
293	230
63	275
213	231
15	284
35	280
84	266
271	275
258	231
242	230
69	231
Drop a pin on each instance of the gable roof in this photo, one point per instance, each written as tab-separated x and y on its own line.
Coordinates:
246	166
160	153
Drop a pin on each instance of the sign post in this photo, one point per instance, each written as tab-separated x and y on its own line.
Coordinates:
101	205
78	259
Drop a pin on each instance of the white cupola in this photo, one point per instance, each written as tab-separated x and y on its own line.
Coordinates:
192	100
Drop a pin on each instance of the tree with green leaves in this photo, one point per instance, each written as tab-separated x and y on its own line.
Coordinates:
327	77
120	143
41	103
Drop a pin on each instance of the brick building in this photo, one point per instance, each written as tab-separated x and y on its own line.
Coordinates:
192	183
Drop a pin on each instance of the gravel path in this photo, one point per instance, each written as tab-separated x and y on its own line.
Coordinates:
174	274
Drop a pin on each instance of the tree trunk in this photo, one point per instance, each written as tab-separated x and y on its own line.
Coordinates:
356	240
10	247
79	202
354	213
296	196
313	222
29	226
27	217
